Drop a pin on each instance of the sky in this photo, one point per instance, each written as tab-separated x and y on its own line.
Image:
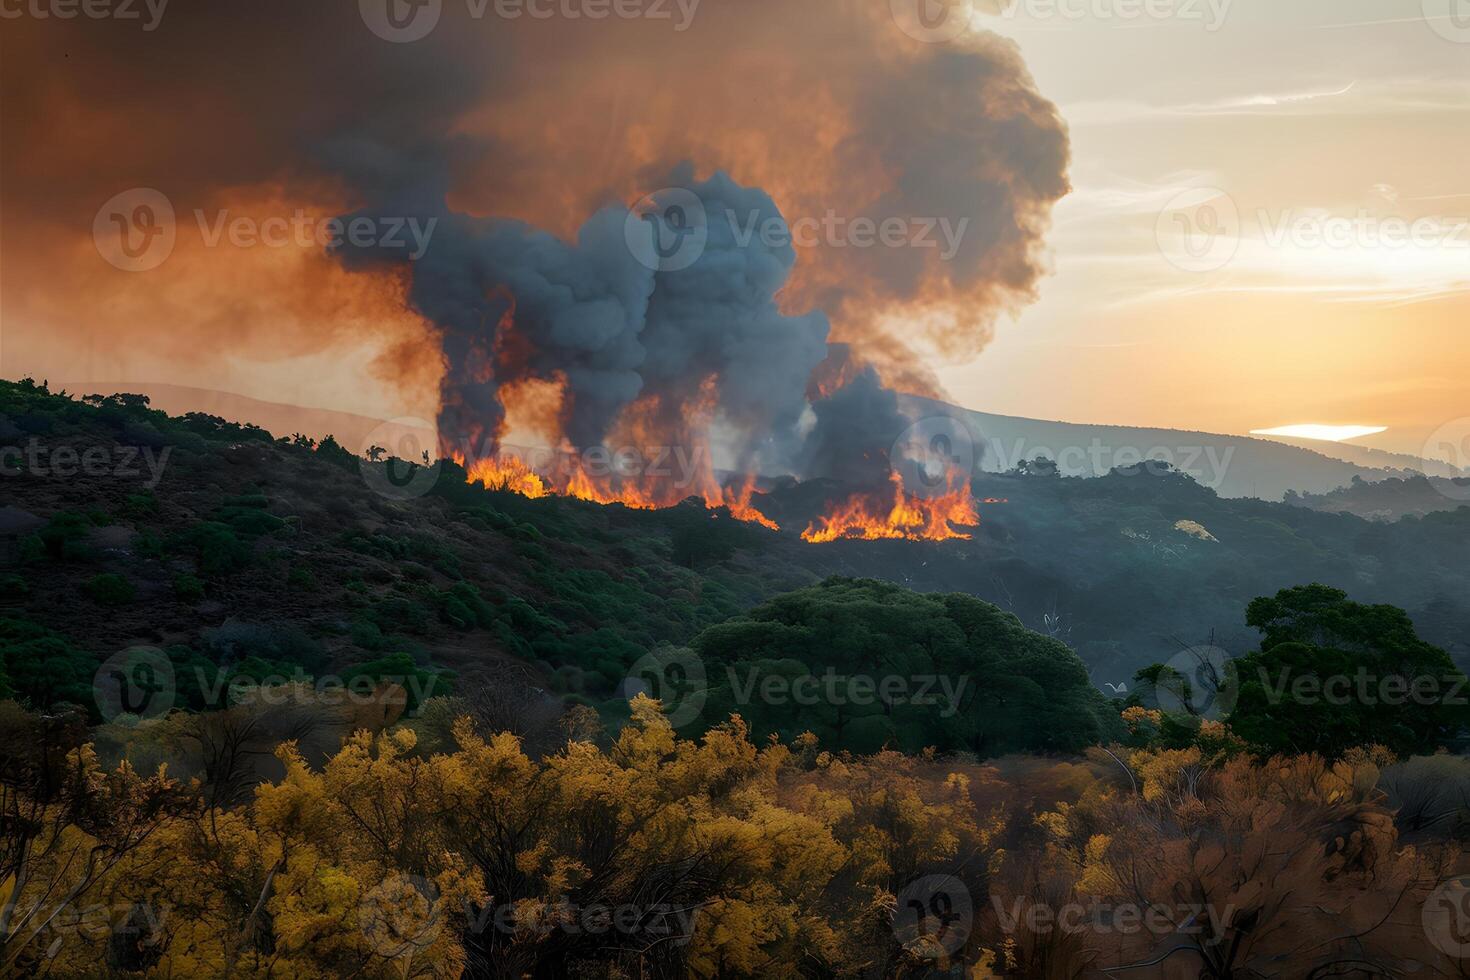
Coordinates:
1259	212
1307	127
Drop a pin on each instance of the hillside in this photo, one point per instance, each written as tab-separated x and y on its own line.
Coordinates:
295	552
1233	465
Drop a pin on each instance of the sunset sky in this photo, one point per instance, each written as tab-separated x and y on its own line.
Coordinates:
1299	110
1324	142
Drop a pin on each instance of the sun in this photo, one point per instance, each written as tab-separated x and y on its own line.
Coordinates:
1322	433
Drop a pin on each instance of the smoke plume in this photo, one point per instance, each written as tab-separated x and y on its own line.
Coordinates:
528	140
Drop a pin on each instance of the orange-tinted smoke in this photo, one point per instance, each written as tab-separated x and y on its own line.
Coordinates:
829	106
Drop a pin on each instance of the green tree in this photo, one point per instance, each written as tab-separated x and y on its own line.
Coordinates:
864	664
1332	674
43	667
109	589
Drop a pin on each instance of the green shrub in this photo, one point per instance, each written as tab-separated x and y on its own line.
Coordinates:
65	537
249	521
235	642
188	588
215	546
251	498
398	613
462	606
140	505
148	545
367	635
302	579
420	683
110	590
43	667
13	587
32	549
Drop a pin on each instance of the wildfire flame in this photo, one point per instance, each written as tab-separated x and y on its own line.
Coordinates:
506	473
901	515
534	407
570	479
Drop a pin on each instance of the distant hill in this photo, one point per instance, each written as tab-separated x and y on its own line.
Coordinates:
1232	465
278	419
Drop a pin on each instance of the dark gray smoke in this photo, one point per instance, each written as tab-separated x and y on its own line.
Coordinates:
703	348
854	431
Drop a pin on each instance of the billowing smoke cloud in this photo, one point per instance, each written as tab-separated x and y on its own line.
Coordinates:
854	432
704	345
844	123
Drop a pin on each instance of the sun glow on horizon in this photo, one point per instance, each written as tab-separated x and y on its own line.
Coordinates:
1322	433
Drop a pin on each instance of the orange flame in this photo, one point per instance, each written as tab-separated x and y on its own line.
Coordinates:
738	500
906	516
569	478
536	405
506	473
